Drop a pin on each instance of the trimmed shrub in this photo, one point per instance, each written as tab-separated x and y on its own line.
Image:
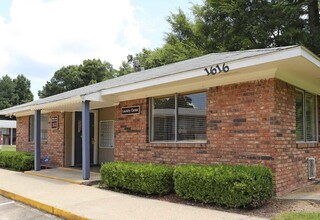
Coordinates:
19	161
143	178
227	185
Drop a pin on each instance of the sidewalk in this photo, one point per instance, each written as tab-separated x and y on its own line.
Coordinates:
74	201
311	192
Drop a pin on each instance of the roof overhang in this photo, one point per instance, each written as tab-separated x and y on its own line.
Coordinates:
295	65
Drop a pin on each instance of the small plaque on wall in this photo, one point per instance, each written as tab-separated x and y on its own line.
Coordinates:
132	110
55	122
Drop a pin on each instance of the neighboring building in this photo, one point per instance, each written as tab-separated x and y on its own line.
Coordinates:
245	107
7	132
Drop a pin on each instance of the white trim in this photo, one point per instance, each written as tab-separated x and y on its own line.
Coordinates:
48	105
176	114
72	141
311	57
180	142
200	83
304	141
317	120
239	65
100	147
194	73
95	136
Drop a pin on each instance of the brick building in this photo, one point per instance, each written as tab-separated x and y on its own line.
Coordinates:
243	107
7	132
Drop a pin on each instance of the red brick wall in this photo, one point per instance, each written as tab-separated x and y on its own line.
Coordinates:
22	135
247	123
237	130
131	134
291	158
53	147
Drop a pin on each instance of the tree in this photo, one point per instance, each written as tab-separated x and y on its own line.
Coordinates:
124	69
22	90
7	92
14	91
218	26
314	26
76	76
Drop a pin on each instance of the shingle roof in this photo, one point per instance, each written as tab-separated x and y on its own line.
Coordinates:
187	65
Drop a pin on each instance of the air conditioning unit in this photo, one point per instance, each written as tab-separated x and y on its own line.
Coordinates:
311	168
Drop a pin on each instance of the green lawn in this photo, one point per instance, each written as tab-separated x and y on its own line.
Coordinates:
8	148
298	216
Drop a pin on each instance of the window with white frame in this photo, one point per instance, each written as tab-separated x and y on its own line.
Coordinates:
106	138
180	117
44	127
306	116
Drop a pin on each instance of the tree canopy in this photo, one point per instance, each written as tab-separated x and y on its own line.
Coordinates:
214	26
76	76
14	91
218	26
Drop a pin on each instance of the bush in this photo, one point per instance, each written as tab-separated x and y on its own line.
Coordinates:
19	161
143	178
227	185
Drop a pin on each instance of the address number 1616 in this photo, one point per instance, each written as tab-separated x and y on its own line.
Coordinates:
217	69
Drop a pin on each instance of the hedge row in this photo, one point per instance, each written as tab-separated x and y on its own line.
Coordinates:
19	161
226	185
143	178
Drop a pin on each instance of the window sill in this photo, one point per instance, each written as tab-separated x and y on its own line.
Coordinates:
313	144
178	144
42	142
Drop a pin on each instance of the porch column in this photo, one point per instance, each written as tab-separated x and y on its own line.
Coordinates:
37	139
11	136
85	140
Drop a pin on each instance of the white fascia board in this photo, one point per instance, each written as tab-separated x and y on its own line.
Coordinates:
96	96
23	113
309	56
199	84
48	105
233	65
11	112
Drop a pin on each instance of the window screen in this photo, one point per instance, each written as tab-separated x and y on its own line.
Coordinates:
306	127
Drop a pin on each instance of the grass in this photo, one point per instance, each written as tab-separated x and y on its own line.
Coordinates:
298	216
8	148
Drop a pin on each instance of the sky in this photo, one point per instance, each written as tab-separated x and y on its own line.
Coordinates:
38	37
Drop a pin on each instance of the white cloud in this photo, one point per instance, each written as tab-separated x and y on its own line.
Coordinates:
64	32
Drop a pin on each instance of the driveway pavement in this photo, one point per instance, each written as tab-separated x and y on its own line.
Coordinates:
73	201
11	210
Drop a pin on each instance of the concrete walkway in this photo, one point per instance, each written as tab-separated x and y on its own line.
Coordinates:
74	201
311	192
70	175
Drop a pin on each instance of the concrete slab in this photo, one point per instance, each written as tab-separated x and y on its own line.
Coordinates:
73	201
311	192
70	175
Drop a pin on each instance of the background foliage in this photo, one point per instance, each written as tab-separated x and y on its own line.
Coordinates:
14	91
212	26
